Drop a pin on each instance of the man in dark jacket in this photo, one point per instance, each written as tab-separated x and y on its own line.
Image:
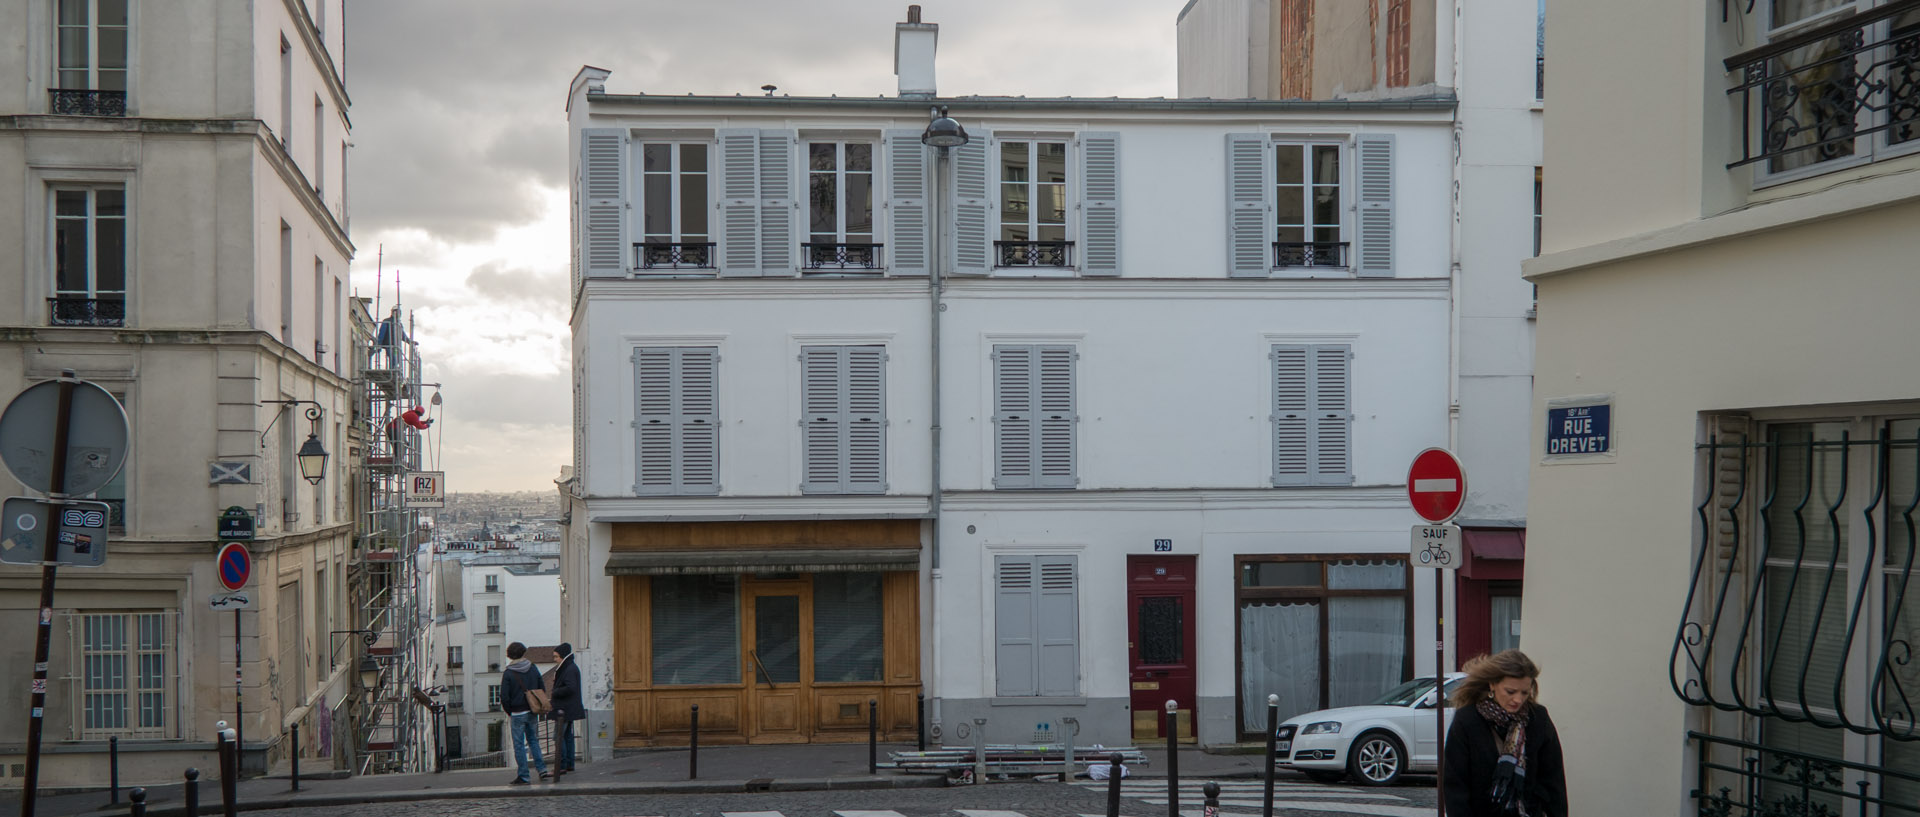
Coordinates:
519	677
567	703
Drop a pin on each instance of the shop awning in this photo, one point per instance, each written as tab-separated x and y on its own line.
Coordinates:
1506	545
776	560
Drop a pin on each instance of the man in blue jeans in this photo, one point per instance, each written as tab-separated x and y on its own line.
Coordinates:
519	677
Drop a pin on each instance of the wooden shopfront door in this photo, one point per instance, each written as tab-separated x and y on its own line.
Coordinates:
1160	643
777	660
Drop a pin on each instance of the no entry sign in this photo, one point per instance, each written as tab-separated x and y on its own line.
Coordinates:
1436	485
235	565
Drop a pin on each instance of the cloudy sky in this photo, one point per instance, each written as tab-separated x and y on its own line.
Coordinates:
459	163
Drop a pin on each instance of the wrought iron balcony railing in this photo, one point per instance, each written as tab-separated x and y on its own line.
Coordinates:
1033	253
1808	97
1741	779
68	311
1310	253
73	102
673	255
841	257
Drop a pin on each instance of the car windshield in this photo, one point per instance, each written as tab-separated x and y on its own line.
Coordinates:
1406	694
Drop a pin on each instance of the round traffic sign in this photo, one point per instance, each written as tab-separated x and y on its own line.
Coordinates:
235	566
96	437
1436	485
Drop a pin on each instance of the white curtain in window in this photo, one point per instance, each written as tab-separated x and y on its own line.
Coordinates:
1367	648
1279	653
1381	575
1505	614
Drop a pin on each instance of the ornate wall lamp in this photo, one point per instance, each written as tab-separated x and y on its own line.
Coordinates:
312	455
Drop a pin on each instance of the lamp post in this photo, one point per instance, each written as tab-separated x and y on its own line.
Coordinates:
312	456
942	133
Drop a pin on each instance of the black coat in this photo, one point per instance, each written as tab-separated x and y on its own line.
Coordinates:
567	703
1473	751
514	685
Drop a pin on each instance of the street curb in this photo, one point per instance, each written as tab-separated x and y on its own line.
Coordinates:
285	801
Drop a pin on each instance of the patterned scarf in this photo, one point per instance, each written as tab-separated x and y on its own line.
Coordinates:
1511	724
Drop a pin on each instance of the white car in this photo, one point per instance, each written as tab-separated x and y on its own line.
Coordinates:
1375	743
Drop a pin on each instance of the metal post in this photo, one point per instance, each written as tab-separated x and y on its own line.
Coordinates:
1173	759
1068	727
43	639
1439	690
239	693
873	736
113	770
1114	770
979	750
693	745
139	803
295	753
190	793
1273	733
1210	807
920	720
229	766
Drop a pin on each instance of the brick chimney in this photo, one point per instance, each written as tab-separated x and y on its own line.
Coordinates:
914	43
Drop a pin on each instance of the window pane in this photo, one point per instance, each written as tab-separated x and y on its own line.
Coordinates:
113	48
693	158
656	206
1367	641
859	205
1326	205
1013	203
1505	614
693	206
73	52
860	157
821	204
1287	167
110	255
776	639
1160	622
112	80
113	12
1326	164
847	637
73	12
110	202
1788	12
1279	654
1804	640
656	158
1808	475
1050	233
820	157
1051	206
1815	99
1013	161
1289	205
1013	232
1052	162
696	630
70	255
1280	574
1373	575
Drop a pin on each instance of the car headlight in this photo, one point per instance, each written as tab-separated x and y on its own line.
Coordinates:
1322	728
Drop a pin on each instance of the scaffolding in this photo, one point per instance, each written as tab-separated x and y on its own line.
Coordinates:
391	733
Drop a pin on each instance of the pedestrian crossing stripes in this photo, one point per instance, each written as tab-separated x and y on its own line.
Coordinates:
1238	798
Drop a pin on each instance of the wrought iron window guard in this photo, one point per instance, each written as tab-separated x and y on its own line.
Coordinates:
68	311
673	255
1868	74
1716	659
841	257
1781	782
1033	253
1309	253
82	102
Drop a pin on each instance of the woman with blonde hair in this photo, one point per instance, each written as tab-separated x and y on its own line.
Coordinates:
1503	754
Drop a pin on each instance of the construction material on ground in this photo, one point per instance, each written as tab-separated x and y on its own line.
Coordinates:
1009	760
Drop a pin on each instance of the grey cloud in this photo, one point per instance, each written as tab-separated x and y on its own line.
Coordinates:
506	399
543	291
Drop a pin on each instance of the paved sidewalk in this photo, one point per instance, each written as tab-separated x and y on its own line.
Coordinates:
799	767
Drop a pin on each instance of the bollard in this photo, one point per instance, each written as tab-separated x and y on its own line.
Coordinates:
1068	728
139	798
693	745
873	736
1173	759
1273	731
1210	807
920	718
190	793
296	756
1114	770
979	750
113	770
229	775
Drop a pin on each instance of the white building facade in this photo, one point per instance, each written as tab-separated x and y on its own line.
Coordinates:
487	599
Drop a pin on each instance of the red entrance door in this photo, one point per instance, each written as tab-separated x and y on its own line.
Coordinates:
1160	642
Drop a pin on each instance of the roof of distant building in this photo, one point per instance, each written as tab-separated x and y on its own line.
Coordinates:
542	655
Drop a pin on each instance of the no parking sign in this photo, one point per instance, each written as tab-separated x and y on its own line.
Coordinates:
235	566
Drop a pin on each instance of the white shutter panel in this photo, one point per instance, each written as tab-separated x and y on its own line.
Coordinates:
603	197
739	228
866	419
1057	625
909	246
822	419
1290	413
1055	418
1013	416
653	421
697	455
1015	653
972	208
777	213
1249	210
1100	204
1375	205
1332	415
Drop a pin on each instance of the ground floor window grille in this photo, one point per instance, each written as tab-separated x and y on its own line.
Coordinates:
123	675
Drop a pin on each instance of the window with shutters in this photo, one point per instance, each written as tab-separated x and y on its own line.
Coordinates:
673	208
677	423
90	44
89	256
1036	620
1307	206
1033	205
1310	207
1034	416
843	420
1312	414
840	210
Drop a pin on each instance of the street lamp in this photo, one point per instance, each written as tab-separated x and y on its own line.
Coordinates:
942	131
312	455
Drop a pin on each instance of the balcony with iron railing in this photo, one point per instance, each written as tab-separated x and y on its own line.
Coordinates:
673	256
67	310
83	102
1736	778
841	258
1033	253
1332	254
1809	98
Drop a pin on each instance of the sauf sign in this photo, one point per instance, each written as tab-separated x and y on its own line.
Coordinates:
1579	429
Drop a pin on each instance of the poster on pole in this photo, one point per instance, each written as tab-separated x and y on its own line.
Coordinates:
427	489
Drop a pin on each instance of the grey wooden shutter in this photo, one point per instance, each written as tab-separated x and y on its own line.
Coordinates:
603	197
653	378
1291	450
909	246
697	444
971	208
866	419
1015	651
1249	210
822	419
777	213
1057	626
739	228
1013	416
1332	414
1375	215
1100	204
1055	418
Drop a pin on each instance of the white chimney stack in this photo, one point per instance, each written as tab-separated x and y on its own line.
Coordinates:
914	43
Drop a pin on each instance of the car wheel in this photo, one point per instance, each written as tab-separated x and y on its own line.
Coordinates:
1319	776
1376	759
